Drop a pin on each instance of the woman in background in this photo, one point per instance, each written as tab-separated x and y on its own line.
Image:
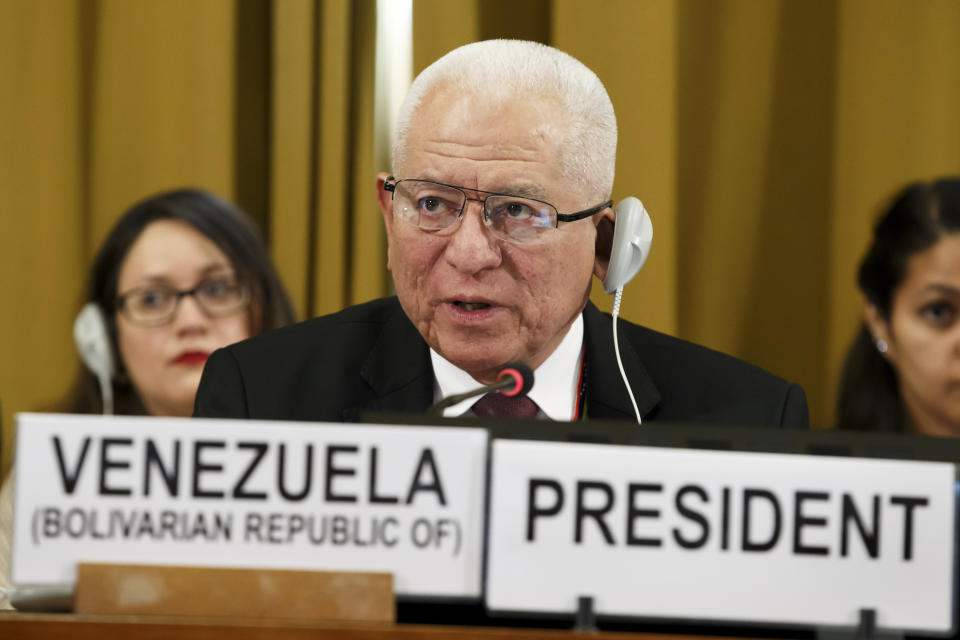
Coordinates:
902	372
181	274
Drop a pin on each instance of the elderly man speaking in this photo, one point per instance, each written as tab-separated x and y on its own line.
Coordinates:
498	216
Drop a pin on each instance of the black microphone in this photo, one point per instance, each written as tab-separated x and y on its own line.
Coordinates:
515	379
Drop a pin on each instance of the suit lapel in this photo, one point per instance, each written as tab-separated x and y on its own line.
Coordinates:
606	394
399	374
397	371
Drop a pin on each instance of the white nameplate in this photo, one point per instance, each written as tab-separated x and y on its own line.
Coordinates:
237	493
767	538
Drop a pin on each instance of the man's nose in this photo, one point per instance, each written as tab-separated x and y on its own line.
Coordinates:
472	247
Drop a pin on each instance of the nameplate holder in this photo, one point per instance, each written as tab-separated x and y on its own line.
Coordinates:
721	537
106	589
400	500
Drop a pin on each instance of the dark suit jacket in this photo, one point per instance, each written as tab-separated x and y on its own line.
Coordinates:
371	358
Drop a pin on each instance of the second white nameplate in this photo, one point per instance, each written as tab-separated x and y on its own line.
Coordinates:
709	535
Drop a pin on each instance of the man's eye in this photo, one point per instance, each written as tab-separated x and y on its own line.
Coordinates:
434	205
940	314
517	210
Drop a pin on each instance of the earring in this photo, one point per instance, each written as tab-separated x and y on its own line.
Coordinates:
882	346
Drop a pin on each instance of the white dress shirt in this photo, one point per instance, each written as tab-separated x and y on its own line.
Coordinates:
555	381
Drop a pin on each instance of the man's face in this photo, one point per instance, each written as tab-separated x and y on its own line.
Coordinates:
479	301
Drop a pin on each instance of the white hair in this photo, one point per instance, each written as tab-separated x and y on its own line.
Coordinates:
500	70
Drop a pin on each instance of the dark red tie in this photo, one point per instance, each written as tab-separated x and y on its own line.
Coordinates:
500	406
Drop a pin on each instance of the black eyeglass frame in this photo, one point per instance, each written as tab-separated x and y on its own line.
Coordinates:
561	217
180	294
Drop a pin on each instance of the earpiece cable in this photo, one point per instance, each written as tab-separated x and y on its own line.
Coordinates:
106	394
618	296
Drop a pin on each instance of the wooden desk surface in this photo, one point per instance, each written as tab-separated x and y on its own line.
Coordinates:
35	626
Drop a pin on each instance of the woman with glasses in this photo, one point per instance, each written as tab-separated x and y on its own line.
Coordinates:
181	274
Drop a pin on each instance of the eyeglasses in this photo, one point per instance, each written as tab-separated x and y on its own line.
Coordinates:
434	206
157	304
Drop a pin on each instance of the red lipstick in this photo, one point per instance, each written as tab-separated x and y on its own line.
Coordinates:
191	358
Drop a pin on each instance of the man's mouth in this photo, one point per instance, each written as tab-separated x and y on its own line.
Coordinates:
471	306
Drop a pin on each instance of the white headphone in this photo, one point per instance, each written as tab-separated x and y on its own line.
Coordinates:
632	236
92	337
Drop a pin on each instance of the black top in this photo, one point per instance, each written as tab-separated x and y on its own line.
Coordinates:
370	357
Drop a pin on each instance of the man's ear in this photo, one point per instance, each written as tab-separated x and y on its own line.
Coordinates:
385	199
878	327
604	242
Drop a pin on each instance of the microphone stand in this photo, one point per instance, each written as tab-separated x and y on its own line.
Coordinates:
449	401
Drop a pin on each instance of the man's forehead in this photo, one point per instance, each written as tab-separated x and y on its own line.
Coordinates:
470	126
514	147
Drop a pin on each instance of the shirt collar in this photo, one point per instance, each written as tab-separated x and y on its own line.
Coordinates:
555	381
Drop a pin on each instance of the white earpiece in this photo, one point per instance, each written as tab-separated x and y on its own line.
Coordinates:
632	236
93	344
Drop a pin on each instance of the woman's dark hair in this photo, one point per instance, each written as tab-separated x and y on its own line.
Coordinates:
919	216
229	228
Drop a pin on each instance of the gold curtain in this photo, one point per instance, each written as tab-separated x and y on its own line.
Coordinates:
325	228
763	136
43	224
108	101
